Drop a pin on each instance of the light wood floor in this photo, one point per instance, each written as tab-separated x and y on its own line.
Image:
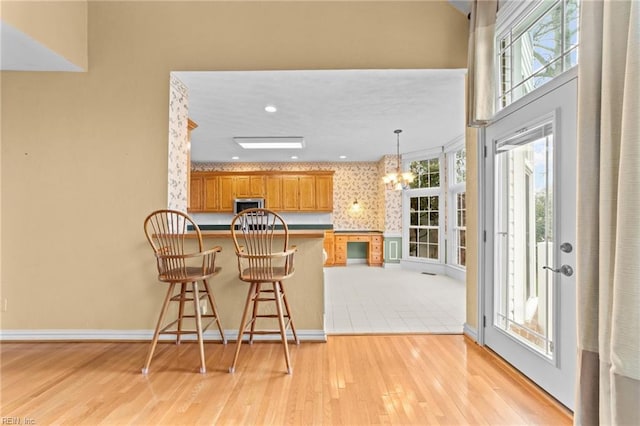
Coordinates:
350	380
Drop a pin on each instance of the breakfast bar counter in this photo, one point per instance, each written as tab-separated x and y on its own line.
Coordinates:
305	289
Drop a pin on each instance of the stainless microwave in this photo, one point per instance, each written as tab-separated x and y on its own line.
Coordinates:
240	204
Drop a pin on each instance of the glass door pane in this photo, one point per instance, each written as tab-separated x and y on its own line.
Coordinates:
524	238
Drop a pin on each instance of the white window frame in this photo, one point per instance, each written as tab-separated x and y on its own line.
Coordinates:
509	15
453	189
434	265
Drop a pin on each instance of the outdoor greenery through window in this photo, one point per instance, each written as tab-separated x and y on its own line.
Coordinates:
461	230
427	173
424	227
460	166
537	49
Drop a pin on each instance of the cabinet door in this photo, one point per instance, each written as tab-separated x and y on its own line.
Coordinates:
324	193
249	186
256	186
329	246
195	194
307	189
273	196
211	193
242	186
227	189
290	196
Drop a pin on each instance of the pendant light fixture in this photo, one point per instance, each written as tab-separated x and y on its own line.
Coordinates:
398	180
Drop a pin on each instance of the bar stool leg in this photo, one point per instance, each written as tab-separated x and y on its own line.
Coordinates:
183	292
286	305
214	308
243	325
154	342
254	315
277	290
196	307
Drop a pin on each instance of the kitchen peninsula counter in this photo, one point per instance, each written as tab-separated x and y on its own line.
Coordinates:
305	289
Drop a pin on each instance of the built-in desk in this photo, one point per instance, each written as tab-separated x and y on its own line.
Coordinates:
374	246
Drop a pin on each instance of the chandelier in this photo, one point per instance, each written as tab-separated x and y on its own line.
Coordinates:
398	180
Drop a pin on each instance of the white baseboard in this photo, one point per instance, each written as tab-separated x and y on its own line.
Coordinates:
392	265
356	261
470	332
80	335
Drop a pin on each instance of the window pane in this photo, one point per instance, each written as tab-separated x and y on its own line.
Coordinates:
433	202
414	204
434	218
414	219
463	238
460	166
537	49
433	251
413	249
423	250
433	236
413	235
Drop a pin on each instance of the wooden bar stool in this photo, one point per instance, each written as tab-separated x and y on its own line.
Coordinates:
261	239
166	231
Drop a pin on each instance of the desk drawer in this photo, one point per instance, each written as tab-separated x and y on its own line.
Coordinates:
360	238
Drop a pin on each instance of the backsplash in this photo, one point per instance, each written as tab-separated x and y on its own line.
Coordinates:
352	181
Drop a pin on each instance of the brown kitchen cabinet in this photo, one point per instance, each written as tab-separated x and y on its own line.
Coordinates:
249	186
273	192
196	193
329	247
282	191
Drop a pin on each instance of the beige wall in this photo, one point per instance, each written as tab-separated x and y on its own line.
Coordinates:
472	226
59	25
84	155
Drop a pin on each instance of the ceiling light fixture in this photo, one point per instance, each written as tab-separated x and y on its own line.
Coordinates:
270	108
235	157
342	157
270	142
398	180
294	157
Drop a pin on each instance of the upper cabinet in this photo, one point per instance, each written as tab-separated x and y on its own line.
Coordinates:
282	191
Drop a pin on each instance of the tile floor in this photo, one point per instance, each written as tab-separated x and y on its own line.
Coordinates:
361	299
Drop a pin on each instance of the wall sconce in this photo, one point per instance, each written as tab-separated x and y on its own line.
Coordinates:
355	206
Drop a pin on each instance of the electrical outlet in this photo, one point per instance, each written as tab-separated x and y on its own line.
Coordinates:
4	305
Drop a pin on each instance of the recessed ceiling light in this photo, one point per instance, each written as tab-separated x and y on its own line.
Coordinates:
294	157
270	108
235	157
270	142
342	157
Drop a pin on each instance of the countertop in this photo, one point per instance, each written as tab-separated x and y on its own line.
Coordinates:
295	233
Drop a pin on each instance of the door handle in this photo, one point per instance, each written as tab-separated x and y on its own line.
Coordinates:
565	270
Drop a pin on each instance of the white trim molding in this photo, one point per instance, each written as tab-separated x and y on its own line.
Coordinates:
470	332
129	335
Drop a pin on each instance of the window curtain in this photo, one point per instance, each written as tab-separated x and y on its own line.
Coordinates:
608	219
480	63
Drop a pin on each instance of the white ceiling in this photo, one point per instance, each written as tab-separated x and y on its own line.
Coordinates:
20	52
338	112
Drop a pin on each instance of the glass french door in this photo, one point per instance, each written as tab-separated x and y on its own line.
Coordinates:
530	211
